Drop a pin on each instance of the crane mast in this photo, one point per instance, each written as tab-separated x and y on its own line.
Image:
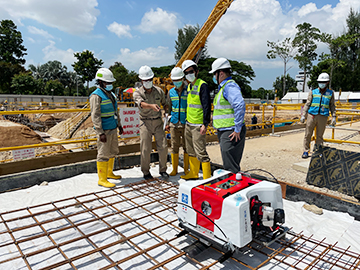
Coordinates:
199	41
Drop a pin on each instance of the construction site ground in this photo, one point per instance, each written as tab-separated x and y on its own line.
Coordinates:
73	223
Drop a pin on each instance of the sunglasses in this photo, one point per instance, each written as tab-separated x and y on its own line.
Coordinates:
189	72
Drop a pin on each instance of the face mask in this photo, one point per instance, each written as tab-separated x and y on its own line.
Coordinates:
322	85
148	84
178	84
109	87
190	77
214	79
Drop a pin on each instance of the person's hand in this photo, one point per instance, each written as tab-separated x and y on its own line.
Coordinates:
121	130
235	135
302	119
167	128
203	130
155	107
103	138
333	121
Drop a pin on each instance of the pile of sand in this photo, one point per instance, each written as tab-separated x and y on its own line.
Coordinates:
13	134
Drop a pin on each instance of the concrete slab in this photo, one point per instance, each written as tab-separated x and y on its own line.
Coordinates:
302	166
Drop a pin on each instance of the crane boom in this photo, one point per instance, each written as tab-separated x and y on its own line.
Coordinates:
198	42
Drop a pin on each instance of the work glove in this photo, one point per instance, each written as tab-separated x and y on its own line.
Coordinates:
302	119
333	121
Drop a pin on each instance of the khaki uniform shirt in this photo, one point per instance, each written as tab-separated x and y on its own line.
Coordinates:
95	102
156	96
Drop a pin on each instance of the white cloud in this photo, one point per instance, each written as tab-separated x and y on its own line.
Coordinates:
41	32
150	56
242	33
51	53
308	8
119	29
159	20
74	17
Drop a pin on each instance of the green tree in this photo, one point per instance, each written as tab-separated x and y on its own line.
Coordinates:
305	41
24	84
54	87
124	77
285	51
7	72
353	29
162	72
185	37
11	48
290	85
86	66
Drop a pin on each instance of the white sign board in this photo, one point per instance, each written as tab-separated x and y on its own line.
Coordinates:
130	121
23	153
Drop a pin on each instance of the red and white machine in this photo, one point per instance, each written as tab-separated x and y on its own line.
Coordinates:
231	210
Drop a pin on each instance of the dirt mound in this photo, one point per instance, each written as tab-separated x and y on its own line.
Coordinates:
16	135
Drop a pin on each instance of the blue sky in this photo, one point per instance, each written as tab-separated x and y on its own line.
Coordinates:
143	32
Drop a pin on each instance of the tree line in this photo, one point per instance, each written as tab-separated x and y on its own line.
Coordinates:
52	78
342	62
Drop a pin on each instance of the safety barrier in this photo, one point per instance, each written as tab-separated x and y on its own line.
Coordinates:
269	119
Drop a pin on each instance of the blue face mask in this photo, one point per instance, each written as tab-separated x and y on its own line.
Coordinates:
178	84
215	80
109	87
322	85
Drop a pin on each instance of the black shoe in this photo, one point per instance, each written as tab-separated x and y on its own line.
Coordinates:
148	177
164	176
305	155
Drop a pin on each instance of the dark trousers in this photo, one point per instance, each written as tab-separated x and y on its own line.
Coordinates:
231	151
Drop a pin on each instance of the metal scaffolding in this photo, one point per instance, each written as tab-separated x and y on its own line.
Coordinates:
135	227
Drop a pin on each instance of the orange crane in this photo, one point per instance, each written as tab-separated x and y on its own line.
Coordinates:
198	43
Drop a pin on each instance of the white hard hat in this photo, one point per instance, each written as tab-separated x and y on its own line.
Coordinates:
188	63
220	63
323	77
105	74
176	74
146	73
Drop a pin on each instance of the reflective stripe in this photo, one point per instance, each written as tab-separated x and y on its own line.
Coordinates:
195	106
219	107
224	116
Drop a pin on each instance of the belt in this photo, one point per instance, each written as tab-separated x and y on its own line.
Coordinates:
142	119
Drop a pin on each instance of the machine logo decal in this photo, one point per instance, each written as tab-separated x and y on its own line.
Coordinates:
238	199
184	198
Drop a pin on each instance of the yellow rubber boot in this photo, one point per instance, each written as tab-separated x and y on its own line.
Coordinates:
110	173
102	168
186	163
194	169
206	168
175	163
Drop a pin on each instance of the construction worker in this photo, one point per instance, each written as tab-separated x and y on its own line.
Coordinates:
197	120
149	98
177	100
228	115
319	102
253	121
106	121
